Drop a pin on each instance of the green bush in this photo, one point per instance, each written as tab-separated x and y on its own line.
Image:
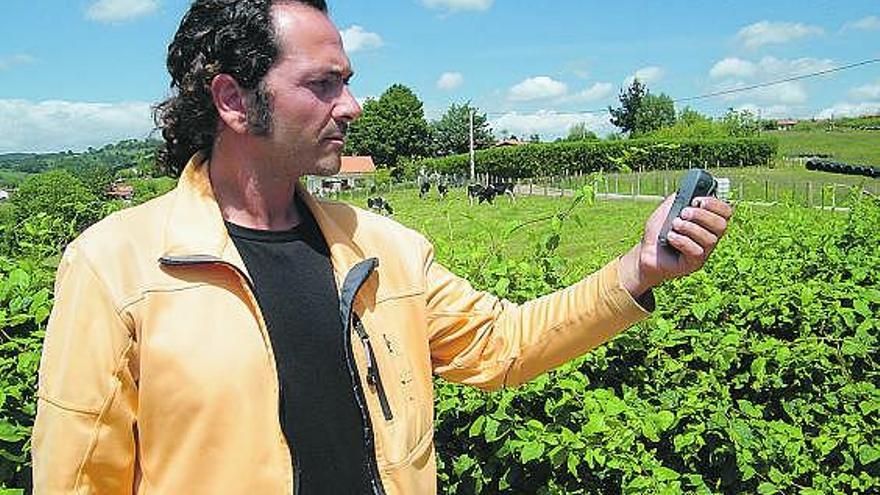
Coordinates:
25	303
757	374
546	159
59	194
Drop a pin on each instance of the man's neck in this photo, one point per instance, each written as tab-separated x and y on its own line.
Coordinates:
254	193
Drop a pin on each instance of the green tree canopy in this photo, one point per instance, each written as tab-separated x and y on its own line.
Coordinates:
580	132
630	98
59	194
391	128
451	134
654	112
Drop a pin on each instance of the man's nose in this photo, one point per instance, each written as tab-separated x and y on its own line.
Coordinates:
347	108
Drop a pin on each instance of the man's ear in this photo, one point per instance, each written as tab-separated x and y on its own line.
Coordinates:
229	99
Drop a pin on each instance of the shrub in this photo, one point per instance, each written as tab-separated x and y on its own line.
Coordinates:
538	160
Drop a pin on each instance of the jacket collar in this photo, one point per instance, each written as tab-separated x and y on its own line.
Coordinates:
195	225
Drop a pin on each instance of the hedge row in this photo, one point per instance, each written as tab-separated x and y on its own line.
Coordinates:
545	159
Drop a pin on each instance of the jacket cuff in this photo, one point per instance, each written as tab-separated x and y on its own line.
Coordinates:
631	308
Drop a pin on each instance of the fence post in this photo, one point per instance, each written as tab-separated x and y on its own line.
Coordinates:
810	194
616	184
766	190
531	184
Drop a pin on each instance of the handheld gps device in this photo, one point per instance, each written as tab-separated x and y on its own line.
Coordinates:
696	182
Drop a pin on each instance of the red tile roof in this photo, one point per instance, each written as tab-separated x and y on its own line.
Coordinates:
357	165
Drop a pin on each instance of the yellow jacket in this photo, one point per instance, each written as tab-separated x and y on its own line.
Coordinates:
157	374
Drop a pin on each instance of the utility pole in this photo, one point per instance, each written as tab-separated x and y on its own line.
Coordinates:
471	114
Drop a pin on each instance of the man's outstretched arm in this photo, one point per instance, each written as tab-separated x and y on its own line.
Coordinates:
481	340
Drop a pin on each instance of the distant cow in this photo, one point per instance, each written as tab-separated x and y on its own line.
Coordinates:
424	189
380	205
488	193
442	190
505	188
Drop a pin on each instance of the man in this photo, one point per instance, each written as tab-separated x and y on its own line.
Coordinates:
238	336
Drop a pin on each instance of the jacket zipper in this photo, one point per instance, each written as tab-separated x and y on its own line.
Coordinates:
350	286
206	259
373	377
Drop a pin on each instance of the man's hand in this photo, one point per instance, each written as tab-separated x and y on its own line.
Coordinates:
695	234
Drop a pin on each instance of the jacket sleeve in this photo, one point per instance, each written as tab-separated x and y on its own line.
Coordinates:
83	437
481	340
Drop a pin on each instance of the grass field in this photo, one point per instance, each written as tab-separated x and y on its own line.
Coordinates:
858	147
606	229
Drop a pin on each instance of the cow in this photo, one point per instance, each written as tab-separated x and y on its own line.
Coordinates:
442	190
488	193
505	188
424	189
380	205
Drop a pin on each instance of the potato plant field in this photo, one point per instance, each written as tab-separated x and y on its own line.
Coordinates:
758	374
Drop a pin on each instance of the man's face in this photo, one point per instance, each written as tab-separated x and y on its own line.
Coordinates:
311	105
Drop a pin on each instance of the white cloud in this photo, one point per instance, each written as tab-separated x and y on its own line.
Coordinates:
767	112
11	61
866	92
55	125
732	67
120	10
789	93
595	92
646	75
850	110
767	33
549	124
537	88
355	39
450	80
457	5
872	22
775	68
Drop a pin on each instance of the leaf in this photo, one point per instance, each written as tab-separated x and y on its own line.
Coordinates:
663	420
531	451
10	433
766	488
663	473
477	426
868	454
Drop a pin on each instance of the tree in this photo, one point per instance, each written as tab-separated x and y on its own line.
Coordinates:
390	128
654	112
535	138
58	194
624	117
579	132
740	123
451	134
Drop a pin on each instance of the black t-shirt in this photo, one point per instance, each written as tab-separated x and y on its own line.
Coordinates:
297	294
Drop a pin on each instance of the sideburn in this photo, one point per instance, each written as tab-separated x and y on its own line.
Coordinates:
259	111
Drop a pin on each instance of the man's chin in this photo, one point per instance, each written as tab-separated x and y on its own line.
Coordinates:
328	165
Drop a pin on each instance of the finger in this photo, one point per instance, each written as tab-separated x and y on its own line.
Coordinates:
693	252
706	239
714	205
655	222
708	220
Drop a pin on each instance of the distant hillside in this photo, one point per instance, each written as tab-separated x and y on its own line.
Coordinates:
124	154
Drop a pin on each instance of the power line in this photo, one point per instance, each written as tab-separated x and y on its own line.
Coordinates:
736	90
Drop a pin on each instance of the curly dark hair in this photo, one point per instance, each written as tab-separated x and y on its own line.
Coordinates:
235	37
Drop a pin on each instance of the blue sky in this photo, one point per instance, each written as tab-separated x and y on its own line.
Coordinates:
79	73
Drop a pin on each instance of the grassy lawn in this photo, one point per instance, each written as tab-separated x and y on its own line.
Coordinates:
859	147
606	229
